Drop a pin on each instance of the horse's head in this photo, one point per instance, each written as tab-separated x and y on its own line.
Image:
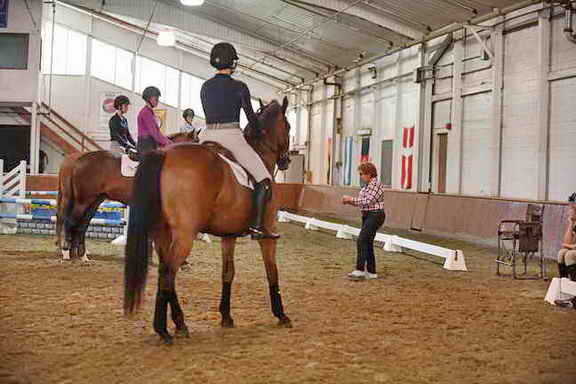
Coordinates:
183	137
275	140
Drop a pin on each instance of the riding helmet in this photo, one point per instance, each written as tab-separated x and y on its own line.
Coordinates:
120	101
188	112
223	55
149	92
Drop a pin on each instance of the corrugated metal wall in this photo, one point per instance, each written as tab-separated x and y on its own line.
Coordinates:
508	138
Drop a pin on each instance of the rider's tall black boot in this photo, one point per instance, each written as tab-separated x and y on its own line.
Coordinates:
260	198
562	270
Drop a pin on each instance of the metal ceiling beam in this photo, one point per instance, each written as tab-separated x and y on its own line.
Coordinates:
171	14
349	24
363	13
255	74
308	56
432	35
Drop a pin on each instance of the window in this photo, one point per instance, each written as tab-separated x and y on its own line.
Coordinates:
14	48
255	107
69	51
111	64
190	94
291	117
167	79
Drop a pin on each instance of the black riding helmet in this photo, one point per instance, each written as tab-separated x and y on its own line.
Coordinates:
223	55
149	92
120	101
188	112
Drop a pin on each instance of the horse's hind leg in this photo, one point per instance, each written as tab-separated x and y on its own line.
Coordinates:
228	245
172	254
268	247
83	227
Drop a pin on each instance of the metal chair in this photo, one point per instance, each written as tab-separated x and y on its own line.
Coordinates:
521	238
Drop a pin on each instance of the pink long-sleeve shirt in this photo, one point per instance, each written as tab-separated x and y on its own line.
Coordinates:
149	127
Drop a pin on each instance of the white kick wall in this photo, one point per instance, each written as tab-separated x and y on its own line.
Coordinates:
508	115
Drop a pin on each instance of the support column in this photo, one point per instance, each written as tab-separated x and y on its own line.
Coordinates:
34	140
424	144
544	37
454	171
298	127
497	111
397	155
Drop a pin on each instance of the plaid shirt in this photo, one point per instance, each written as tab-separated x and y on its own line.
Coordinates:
371	197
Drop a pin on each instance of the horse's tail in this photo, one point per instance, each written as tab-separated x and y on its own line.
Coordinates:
145	209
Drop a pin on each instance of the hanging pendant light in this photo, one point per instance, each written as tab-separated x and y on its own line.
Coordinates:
166	39
192	3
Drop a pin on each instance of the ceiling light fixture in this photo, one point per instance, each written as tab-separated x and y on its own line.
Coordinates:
192	3
166	39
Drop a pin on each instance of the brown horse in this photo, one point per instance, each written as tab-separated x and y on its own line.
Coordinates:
189	189
85	180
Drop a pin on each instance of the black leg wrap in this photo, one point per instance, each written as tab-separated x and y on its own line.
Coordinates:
225	299
160	315
277	308
227	321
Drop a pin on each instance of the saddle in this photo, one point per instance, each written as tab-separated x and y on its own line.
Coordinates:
242	175
129	164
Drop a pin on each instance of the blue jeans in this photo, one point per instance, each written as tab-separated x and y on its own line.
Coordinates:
371	222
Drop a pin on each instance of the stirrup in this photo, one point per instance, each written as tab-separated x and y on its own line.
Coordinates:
260	234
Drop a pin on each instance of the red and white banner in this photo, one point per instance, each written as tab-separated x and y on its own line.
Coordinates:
407	156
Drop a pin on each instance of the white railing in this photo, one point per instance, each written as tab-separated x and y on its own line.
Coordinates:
454	259
13	183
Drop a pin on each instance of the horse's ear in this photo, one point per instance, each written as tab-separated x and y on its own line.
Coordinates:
261	103
284	104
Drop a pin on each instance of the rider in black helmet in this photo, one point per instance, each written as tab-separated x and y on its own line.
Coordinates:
188	127
222	98
121	140
149	135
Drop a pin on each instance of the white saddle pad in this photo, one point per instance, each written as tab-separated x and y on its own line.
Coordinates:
128	167
239	173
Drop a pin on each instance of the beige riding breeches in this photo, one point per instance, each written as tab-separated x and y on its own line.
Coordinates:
233	140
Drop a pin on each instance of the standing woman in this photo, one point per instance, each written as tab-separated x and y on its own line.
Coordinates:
371	203
121	140
149	135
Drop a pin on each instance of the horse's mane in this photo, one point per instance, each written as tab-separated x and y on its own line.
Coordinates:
266	116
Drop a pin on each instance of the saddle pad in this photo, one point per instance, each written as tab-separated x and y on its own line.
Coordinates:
239	173
128	167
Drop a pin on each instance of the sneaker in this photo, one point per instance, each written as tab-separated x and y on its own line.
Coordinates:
357	274
370	276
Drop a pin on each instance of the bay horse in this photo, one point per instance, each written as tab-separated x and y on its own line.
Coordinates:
188	189
85	180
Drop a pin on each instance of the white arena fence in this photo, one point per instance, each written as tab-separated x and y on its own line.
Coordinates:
453	259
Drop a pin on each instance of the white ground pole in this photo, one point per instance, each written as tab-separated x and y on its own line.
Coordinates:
453	259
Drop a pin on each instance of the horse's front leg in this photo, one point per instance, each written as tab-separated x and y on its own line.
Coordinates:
268	247
228	245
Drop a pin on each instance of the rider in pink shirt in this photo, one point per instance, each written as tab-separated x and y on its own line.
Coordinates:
149	135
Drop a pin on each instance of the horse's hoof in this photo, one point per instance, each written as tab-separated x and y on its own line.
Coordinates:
285	323
166	338
227	323
183	332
